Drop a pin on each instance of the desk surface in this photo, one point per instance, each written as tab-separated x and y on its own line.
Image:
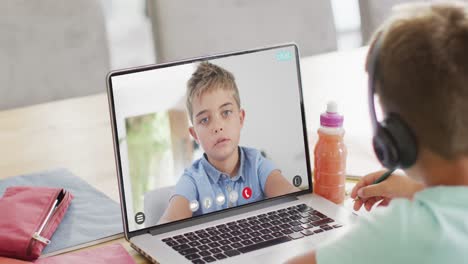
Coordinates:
76	134
73	134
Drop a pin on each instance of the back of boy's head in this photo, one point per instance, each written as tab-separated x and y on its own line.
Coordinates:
423	74
206	78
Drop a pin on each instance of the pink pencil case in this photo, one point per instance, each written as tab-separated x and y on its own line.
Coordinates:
29	217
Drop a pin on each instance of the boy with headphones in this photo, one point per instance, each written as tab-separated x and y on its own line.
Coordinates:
418	66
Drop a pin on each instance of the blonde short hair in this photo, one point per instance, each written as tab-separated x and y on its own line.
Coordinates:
209	77
423	69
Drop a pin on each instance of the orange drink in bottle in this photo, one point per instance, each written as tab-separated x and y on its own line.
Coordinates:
330	157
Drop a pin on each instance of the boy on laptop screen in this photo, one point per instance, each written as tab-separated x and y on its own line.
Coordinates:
228	174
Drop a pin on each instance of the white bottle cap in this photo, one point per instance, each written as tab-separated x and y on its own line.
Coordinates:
332	107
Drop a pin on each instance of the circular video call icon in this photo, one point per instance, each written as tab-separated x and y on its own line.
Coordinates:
297	181
220	199
247	193
207	202
194	205
233	196
140	218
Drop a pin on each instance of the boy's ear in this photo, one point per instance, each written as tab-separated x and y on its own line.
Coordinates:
242	116
193	134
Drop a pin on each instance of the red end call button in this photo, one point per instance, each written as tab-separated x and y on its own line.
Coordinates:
247	193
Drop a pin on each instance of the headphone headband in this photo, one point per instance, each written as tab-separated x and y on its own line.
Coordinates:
372	71
394	143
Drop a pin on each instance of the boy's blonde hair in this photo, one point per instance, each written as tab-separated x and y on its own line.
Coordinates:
423	69
209	77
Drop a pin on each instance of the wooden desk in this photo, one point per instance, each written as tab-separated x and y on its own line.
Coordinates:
76	134
73	134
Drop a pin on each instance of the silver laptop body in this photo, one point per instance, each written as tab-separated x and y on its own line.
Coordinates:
148	115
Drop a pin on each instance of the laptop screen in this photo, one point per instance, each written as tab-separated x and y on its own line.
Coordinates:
200	136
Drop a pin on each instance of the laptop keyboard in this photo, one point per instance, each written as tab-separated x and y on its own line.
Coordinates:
245	235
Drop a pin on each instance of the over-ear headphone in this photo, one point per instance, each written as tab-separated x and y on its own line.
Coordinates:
394	143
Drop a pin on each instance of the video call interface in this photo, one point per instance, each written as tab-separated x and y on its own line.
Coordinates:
209	135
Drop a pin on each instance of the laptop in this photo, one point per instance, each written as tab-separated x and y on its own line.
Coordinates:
179	204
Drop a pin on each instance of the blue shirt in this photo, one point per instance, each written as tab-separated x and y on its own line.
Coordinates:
203	181
433	228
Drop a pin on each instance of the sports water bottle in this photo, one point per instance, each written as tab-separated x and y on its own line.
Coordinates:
330	156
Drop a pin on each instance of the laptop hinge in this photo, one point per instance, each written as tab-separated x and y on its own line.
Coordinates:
220	215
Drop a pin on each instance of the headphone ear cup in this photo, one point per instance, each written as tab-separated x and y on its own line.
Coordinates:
403	140
384	148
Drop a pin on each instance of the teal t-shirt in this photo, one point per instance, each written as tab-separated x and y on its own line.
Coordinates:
433	228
